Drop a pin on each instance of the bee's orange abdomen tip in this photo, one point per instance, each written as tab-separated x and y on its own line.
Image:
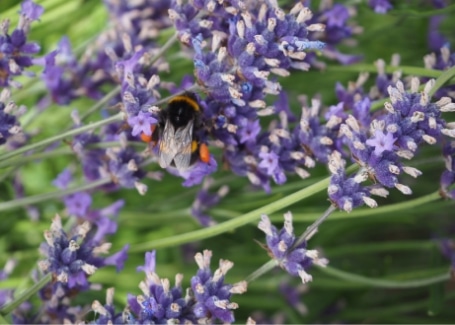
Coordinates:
204	153
146	138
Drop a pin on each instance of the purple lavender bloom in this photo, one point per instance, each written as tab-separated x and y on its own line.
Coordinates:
448	250
408	121
107	312
141	123
212	295
384	80
77	204
137	92
31	11
436	40
280	244
381	142
380	6
118	259
9	124
15	53
236	53
208	301
150	263
204	201
125	170
338	27
111	212
441	59
121	164
448	175
136	25
63	179
249	132
6	295
196	173
160	303
71	258
269	162
57	77
318	139
142	20
346	192
293	295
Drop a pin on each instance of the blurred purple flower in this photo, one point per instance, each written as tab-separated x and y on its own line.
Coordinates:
9	124
380	6
205	200
15	53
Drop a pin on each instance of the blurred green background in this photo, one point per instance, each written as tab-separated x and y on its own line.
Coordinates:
398	244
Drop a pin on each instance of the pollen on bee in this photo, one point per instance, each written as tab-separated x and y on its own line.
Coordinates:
193	146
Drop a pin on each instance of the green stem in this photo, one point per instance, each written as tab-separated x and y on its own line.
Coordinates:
52	195
422	14
408	70
37	156
381	283
82	129
17	162
103	101
445	76
8	308
262	270
234	223
2	320
166	46
313	227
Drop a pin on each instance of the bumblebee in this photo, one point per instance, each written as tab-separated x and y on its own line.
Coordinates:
177	132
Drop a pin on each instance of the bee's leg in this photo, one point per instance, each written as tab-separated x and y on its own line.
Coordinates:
204	153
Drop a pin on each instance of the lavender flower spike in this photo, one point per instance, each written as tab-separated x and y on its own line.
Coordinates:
208	301
211	293
9	124
15	53
295	260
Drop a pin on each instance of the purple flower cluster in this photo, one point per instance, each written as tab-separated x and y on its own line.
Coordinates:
16	54
380	6
448	175
78	204
6	295
9	112
72	259
120	163
237	48
379	145
291	256
205	200
207	301
133	26
338	28
447	247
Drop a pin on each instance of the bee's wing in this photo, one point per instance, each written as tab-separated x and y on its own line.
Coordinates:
168	149
183	139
